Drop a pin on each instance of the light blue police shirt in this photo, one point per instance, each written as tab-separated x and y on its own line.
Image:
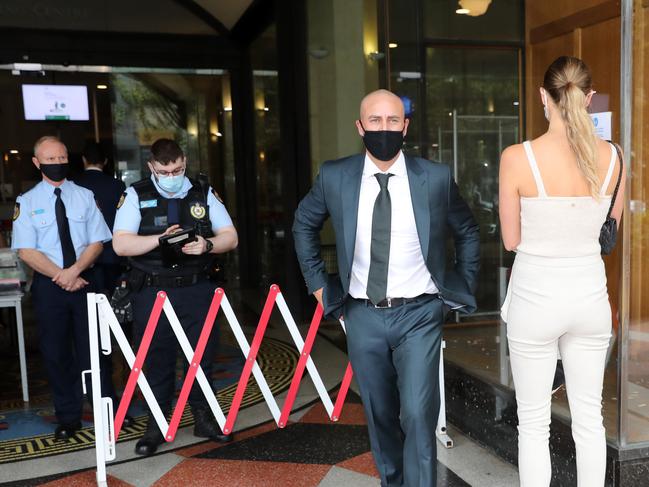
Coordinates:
35	227
128	216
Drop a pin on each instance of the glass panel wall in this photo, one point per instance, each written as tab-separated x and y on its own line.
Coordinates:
635	340
463	100
472	107
271	233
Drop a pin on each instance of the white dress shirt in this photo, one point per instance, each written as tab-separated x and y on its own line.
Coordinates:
408	276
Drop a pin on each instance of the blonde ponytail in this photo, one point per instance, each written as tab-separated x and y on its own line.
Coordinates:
581	134
567	81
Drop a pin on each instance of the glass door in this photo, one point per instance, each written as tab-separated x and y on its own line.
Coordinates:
472	104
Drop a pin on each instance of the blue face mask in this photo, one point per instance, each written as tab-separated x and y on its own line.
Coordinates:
171	184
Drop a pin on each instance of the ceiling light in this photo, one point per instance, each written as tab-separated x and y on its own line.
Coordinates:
102	87
227	109
474	8
13	151
392	45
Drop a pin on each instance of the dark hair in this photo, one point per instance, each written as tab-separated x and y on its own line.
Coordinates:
166	151
94	153
568	81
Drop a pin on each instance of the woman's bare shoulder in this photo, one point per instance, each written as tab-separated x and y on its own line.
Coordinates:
512	157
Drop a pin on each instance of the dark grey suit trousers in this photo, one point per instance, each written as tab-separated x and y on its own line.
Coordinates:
395	356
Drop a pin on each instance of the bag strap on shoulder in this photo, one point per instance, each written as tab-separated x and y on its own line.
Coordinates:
619	178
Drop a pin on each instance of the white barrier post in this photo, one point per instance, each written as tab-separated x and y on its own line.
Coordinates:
441	432
95	380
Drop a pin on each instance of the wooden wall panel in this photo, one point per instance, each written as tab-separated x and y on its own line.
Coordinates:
639	187
540	12
600	50
542	54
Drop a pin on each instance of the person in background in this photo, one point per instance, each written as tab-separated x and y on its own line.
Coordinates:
59	232
161	205
107	191
555	193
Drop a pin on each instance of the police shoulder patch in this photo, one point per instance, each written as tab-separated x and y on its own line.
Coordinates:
121	200
216	195
16	211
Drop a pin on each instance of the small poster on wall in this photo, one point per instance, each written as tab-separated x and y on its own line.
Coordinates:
602	122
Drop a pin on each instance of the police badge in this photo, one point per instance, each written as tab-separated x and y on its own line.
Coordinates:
16	211
197	210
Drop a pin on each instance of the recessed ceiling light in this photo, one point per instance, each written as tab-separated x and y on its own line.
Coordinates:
102	87
392	45
463	11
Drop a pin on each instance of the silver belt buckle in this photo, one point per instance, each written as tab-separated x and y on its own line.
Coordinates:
389	305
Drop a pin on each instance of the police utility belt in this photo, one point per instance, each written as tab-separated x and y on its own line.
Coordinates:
156	280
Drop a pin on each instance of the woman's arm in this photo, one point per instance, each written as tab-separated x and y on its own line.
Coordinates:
509	200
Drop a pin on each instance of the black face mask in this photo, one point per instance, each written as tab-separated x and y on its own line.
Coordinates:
55	172
383	144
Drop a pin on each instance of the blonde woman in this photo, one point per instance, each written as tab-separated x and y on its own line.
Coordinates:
555	192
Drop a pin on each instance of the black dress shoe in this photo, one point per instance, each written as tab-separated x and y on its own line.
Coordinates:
65	431
205	426
151	440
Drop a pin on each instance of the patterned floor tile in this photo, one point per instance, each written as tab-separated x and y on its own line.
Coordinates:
231	473
351	414
363	463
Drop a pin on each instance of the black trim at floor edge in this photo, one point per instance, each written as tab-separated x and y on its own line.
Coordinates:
486	413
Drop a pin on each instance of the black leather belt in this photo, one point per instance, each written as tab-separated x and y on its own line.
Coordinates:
394	302
173	281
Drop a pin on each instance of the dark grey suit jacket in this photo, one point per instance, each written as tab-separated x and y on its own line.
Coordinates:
437	206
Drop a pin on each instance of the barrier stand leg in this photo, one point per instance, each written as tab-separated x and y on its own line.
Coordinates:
441	432
97	408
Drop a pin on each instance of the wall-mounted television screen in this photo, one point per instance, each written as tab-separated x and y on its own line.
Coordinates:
55	102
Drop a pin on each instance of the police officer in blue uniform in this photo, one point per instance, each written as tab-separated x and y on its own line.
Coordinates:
59	232
161	205
107	191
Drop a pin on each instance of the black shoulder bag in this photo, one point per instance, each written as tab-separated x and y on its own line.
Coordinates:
608	233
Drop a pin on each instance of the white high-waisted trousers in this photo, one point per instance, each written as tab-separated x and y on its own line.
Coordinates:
558	304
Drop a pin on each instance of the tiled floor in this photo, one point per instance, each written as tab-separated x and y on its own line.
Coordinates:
310	451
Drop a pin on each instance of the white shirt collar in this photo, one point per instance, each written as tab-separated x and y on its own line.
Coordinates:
398	168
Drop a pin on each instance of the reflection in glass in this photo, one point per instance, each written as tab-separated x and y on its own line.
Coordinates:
271	233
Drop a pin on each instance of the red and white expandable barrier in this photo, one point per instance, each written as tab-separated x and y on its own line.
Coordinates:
108	427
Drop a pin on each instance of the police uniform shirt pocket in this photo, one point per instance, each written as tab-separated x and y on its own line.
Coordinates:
46	230
78	221
77	218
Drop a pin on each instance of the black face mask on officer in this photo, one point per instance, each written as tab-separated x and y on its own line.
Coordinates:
383	144
55	172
